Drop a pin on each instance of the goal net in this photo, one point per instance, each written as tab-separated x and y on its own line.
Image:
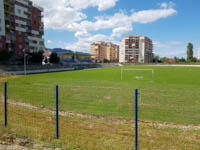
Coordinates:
137	74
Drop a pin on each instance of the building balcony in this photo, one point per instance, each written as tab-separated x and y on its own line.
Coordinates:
12	19
12	1
7	18
7	3
8	39
41	16
29	23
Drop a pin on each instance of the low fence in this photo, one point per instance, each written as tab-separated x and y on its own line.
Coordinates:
44	67
103	117
84	113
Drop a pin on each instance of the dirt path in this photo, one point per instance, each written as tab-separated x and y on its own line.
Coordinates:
114	120
6	146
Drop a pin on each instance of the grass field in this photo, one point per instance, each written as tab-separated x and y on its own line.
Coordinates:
92	134
172	97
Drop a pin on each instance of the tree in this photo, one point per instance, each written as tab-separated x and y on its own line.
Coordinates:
36	57
4	55
54	58
105	60
194	59
156	59
189	52
176	60
163	59
182	59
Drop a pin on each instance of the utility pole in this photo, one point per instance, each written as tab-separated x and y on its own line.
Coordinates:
24	61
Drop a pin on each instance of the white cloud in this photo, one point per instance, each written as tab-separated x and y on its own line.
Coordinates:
106	4
176	42
68	15
170	48
168	44
148	16
119	31
84	41
167	5
62	13
163	5
49	41
84	4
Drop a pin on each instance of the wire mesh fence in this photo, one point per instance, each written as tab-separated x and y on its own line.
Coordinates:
175	115
98	114
25	109
87	114
103	117
1	104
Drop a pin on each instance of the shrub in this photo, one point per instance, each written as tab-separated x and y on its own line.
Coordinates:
54	58
36	57
4	55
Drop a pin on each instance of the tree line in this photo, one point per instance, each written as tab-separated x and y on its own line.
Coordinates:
31	58
190	58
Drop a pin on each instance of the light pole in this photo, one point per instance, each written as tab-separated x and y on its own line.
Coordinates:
24	61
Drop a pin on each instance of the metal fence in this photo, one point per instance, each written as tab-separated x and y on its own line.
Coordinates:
103	118
89	114
168	118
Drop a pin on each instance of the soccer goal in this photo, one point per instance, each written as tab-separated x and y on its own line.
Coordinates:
135	71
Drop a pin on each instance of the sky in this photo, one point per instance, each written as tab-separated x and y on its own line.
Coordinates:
75	24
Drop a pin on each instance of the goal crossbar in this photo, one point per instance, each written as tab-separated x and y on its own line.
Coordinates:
138	70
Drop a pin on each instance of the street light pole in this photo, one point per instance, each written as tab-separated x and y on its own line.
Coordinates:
24	62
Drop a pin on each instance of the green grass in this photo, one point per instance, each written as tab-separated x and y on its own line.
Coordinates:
173	96
91	134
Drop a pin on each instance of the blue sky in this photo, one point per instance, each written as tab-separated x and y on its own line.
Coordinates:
74	24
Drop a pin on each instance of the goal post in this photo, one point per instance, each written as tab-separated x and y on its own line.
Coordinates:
122	71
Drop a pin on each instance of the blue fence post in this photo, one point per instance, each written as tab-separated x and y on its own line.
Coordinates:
5	104
57	114
136	119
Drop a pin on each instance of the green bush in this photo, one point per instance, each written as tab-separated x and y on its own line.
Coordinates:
105	60
4	55
54	58
36	57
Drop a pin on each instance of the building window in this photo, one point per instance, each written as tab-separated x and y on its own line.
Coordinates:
19	39
19	11
1	45
20	46
35	42
19	32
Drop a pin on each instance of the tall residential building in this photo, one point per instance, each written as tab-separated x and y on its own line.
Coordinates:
105	50
136	48
21	27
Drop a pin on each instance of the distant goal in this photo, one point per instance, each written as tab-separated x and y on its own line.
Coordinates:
138	73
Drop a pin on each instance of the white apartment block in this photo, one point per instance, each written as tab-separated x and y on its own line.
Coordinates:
136	48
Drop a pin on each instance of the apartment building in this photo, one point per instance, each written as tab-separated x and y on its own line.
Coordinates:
136	48
199	54
21	27
105	50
